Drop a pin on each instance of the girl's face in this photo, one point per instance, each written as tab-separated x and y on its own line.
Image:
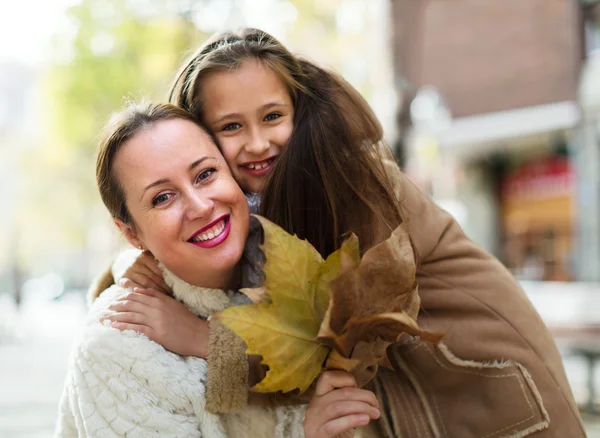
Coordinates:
251	114
186	207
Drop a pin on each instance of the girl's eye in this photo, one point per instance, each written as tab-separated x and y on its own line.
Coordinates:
272	116
231	127
160	199
206	174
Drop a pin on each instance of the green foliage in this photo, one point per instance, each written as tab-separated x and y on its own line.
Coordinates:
116	50
122	56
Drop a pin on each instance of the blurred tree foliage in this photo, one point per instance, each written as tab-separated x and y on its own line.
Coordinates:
111	51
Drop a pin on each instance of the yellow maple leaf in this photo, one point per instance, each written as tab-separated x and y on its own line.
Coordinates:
284	330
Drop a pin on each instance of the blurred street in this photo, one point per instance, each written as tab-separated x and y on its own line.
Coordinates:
34	350
34	347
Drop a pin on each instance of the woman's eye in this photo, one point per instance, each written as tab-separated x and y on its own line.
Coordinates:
231	127
162	198
272	116
205	174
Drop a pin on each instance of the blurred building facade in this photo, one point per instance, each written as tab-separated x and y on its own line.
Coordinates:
501	125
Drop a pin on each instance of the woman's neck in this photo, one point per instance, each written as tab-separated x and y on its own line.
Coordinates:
231	279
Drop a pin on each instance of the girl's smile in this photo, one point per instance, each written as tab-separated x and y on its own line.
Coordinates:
259	168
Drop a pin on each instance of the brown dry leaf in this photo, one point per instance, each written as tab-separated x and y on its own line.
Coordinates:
370	355
375	301
335	361
337	262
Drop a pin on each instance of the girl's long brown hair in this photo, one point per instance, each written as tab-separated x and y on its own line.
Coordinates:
331	177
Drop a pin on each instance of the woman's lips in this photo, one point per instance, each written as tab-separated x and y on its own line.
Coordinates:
219	230
259	168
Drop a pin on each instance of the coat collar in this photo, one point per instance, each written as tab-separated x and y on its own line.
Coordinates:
202	301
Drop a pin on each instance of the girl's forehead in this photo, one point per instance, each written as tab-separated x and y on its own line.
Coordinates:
248	73
252	84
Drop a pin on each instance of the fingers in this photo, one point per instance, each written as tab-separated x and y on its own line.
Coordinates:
149	292
345	408
331	380
148	297
136	327
145	273
128	317
128	305
333	417
148	260
350	395
338	406
340	425
145	279
127	283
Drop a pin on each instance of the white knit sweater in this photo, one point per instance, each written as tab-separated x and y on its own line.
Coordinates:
124	384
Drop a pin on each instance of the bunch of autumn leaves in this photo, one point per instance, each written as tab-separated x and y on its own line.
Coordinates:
312	314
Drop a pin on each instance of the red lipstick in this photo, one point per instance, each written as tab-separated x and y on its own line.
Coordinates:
216	240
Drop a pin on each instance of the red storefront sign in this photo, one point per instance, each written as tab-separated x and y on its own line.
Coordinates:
550	178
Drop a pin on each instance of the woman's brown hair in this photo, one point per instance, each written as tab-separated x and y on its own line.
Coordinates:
121	128
331	177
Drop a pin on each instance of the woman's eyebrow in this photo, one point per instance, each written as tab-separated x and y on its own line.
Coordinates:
200	161
166	180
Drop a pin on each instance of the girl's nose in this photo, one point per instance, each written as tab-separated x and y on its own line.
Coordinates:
258	143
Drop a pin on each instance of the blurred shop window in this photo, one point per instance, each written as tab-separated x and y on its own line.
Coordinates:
537	204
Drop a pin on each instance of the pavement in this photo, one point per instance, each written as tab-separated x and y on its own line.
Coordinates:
35	341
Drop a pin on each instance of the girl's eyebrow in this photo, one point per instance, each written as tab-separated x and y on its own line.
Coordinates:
264	107
166	180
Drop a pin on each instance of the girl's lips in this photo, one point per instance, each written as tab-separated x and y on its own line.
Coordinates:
263	170
217	240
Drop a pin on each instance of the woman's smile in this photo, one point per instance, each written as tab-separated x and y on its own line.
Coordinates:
213	234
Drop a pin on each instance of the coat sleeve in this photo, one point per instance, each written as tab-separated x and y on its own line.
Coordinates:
122	383
228	370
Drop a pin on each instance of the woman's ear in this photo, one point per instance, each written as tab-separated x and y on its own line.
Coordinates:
129	233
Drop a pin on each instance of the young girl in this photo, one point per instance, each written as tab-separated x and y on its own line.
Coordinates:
170	192
307	141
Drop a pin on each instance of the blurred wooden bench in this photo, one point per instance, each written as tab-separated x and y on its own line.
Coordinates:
572	313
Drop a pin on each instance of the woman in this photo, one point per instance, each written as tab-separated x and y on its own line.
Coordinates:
313	148
170	192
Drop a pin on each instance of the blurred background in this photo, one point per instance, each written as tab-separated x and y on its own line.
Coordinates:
492	107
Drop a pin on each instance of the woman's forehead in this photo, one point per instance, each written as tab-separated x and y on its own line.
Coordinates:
168	144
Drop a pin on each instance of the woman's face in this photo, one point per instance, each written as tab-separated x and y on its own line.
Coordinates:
251	114
186	207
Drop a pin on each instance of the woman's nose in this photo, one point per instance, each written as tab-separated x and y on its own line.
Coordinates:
199	206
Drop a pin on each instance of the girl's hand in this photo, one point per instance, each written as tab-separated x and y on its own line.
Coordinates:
163	319
145	274
338	407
